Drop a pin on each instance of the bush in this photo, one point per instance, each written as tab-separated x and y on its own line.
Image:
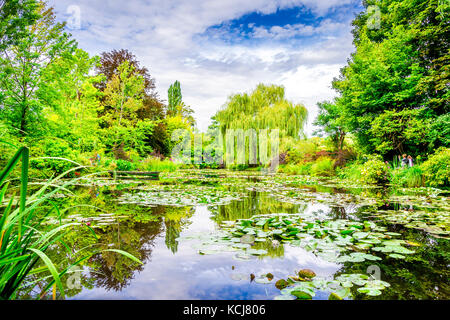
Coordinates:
53	148
156	164
436	169
409	177
124	165
322	167
374	171
238	167
295	169
351	172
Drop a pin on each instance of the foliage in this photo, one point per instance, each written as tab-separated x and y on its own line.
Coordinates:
374	171
176	106
21	66
323	166
156	164
395	84
332	122
175	97
15	17
410	177
55	148
264	108
120	165
296	169
437	168
74	100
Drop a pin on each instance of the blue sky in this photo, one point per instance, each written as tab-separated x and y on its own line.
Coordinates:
216	48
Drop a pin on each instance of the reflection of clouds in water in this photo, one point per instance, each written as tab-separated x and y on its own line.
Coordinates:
201	221
319	210
308	260
188	275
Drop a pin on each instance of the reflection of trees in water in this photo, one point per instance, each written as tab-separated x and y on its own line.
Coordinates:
273	250
175	219
338	212
114	271
255	203
422	275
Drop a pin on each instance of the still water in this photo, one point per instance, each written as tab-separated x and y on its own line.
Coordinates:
173	268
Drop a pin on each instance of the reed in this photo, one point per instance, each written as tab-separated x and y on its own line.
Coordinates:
23	239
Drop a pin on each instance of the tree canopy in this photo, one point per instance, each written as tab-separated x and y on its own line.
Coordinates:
394	88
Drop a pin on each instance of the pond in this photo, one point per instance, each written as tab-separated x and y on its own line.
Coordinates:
228	235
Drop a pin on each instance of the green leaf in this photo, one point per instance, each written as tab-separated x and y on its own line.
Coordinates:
126	254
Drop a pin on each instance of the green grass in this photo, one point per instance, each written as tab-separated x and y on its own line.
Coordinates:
410	177
322	167
155	164
296	169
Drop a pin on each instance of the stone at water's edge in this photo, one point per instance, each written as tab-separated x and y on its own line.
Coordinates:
306	273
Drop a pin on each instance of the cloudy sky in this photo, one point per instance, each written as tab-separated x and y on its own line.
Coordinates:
216	48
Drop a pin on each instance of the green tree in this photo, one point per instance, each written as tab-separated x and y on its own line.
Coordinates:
176	106
21	68
175	97
123	97
73	101
15	17
332	122
264	108
397	68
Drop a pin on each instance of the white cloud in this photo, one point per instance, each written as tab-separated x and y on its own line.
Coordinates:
163	35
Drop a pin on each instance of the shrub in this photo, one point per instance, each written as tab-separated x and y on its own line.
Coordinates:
350	172
322	167
436	169
156	164
238	167
374	170
53	148
409	177
124	165
296	169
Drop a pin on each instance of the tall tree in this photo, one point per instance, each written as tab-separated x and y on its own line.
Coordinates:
175	97
264	108
73	102
176	106
21	67
332	122
123	96
399	72
15	17
152	108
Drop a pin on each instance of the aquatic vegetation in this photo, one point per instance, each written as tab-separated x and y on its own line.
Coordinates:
263	218
436	223
181	197
339	287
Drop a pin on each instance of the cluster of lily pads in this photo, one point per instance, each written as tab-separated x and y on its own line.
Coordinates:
436	223
337	241
100	220
304	285
332	240
181	197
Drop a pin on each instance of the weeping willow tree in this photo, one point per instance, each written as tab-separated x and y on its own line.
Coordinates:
264	108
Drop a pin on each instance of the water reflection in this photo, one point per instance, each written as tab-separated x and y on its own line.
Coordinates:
188	275
173	269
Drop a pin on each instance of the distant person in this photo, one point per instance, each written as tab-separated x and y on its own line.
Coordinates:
404	161
410	161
